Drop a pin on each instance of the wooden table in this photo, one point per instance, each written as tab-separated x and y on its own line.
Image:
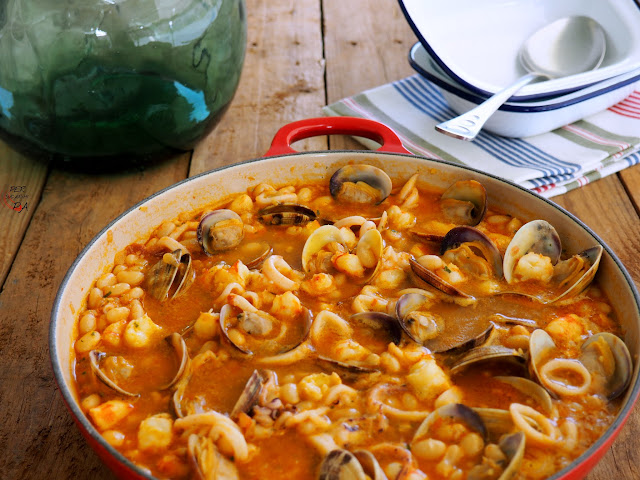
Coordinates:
301	55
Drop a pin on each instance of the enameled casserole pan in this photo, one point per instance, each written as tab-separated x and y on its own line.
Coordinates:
282	165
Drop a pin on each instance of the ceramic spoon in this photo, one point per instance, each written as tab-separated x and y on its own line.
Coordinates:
568	46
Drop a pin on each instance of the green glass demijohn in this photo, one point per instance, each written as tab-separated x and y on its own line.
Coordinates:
110	78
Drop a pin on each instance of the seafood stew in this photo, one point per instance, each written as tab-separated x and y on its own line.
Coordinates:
370	328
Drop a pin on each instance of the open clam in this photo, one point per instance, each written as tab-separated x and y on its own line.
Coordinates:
259	333
255	253
379	322
220	230
563	279
532	390
417	322
425	273
452	413
473	254
537	236
512	446
604	366
95	360
608	359
182	352
489	353
250	394
370	465
464	202
341	465
360	184
576	273
207	462
481	254
286	214
352	346
432	331
325	251
171	276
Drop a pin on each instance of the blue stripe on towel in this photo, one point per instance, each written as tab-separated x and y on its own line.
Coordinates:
425	97
544	181
422	101
633	159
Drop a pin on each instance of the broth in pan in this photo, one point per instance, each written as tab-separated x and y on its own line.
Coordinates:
350	329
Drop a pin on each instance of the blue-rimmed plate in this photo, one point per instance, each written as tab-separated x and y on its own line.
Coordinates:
524	119
477	43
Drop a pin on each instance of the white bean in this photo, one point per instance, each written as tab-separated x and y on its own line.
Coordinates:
106	280
117	314
133	278
87	342
87	323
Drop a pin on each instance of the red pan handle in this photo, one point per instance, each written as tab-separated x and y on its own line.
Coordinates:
312	127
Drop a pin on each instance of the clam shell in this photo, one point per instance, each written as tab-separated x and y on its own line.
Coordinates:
170	279
269	346
488	353
441	341
513	447
360	184
456	412
220	230
532	390
417	331
341	465
250	394
477	240
497	421
286	214
434	280
95	357
592	358
591	261
464	202
379	321
180	347
537	236
500	428
317	240
370	465
259	256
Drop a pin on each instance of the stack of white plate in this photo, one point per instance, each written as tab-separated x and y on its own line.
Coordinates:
469	49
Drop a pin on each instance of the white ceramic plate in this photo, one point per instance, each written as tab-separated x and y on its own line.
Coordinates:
476	43
524	119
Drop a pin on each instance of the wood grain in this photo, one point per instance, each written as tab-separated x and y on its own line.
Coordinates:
18	176
363	53
631	181
282	81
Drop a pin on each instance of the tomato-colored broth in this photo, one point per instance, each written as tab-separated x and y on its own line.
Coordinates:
343	385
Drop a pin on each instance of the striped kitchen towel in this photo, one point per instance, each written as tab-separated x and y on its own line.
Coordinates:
551	163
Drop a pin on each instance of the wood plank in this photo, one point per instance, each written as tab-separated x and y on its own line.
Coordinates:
21	183
366	45
631	180
282	81
36	426
617	223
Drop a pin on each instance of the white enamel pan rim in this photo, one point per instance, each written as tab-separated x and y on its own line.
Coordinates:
350	155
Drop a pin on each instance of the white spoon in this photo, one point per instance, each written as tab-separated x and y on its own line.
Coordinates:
565	47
